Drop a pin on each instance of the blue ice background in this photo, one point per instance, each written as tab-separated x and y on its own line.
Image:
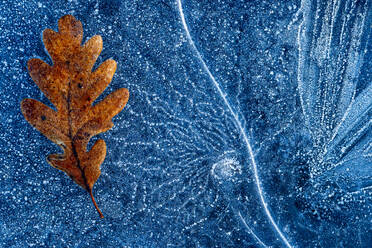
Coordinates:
178	173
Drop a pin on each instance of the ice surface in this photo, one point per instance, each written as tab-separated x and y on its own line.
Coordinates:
248	125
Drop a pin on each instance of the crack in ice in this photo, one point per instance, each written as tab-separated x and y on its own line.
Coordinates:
251	231
238	123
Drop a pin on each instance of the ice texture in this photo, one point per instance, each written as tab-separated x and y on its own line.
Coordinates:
248	125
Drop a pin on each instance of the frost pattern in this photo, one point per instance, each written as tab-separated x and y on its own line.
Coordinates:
241	129
333	40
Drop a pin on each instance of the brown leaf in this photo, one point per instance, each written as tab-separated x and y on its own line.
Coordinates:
72	87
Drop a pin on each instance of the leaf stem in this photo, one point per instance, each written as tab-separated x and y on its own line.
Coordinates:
94	202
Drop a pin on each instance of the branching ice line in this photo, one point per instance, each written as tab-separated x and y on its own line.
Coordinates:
304	9
251	231
238	123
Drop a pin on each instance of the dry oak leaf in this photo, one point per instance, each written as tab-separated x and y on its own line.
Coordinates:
72	87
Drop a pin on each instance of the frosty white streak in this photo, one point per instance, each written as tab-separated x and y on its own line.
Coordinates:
250	230
238	123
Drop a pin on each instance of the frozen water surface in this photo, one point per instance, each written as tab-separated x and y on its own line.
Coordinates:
248	125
